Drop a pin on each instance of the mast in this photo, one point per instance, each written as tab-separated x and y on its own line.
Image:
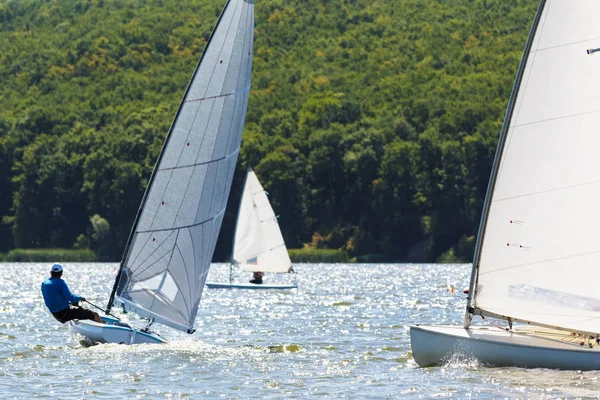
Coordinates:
127	250
248	170
496	164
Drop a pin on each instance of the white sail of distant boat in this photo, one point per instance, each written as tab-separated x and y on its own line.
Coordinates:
168	254
538	248
258	244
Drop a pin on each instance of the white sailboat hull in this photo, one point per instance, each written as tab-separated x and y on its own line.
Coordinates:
539	348
112	331
250	286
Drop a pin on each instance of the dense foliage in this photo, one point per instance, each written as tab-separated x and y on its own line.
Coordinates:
372	123
49	255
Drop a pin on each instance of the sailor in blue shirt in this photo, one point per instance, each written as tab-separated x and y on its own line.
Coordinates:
61	302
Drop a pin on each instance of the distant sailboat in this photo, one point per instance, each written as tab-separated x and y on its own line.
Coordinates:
258	245
168	254
538	248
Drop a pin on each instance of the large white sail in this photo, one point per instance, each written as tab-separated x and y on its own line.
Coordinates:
540	241
173	240
258	244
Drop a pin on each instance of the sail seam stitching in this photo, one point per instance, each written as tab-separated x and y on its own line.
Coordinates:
244	89
202	163
185	226
568	44
557	118
187	272
547	191
233	111
150	255
177	283
540	262
166	271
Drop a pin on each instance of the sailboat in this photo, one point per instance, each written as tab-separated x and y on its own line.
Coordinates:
258	245
167	257
538	246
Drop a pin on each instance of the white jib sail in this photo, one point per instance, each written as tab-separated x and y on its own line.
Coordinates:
541	245
258	245
174	239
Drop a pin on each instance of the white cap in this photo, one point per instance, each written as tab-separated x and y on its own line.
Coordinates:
56	268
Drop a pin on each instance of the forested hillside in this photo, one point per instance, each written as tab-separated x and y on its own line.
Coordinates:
372	123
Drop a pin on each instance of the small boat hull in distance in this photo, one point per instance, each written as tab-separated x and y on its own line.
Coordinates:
250	286
112	331
527	347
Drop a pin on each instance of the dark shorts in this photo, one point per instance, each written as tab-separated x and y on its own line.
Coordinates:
73	313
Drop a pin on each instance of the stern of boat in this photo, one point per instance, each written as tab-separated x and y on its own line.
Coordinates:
430	347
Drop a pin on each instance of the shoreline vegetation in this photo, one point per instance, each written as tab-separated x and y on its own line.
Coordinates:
372	124
49	255
304	255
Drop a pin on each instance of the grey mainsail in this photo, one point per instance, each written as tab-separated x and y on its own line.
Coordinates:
168	255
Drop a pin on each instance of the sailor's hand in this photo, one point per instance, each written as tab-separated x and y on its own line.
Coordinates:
82	299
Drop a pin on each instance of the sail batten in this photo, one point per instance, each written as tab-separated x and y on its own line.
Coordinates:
539	241
175	234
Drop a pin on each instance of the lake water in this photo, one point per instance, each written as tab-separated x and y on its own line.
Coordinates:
342	334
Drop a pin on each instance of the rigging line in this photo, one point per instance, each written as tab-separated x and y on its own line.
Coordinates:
540	262
184	226
202	163
547	191
144	246
556	118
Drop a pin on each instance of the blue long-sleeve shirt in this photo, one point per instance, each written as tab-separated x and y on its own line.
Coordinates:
57	295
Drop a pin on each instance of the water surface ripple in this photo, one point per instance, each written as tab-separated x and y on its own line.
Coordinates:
342	334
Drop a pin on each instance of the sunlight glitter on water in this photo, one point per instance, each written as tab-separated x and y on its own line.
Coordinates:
342	334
